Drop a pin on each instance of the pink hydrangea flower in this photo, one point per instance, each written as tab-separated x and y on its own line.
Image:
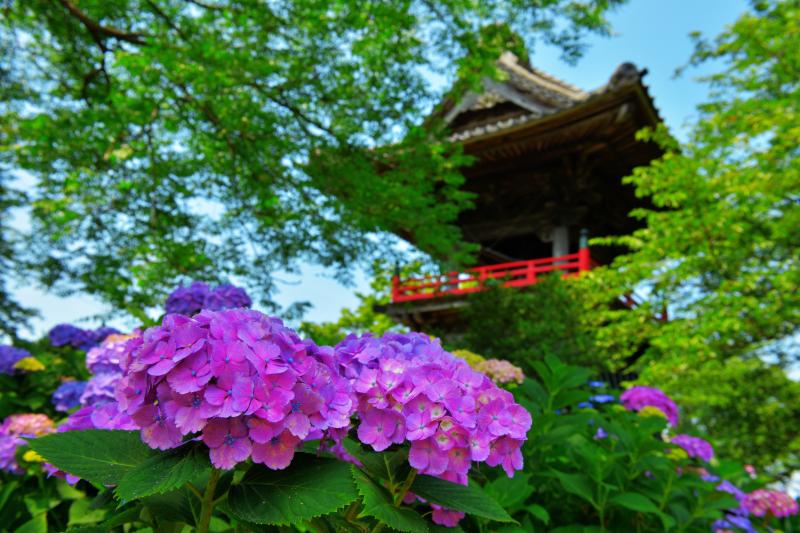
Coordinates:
639	397
764	502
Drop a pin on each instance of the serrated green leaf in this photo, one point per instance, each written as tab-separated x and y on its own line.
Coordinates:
470	499
385	465
378	504
164	472
309	487
99	455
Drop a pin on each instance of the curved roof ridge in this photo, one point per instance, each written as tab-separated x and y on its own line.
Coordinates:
511	62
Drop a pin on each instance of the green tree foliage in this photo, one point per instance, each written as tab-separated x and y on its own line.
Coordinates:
179	139
549	318
720	246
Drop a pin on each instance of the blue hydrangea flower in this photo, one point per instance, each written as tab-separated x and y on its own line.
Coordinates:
585	405
597	384
602	398
9	355
68	395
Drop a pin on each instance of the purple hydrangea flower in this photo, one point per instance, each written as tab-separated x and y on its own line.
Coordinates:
410	390
100	389
248	384
9	356
694	446
69	335
198	296
733	522
68	395
639	397
187	300
226	297
107	356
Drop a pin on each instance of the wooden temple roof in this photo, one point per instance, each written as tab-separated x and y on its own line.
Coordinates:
549	153
529	96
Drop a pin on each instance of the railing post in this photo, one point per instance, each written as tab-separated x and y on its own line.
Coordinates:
396	283
584	259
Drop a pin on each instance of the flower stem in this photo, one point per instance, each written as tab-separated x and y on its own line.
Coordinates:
401	494
398	497
207	506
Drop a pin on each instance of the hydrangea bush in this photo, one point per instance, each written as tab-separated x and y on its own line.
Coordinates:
227	419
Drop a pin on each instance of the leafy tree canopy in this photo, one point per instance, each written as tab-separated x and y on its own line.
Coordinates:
720	248
180	139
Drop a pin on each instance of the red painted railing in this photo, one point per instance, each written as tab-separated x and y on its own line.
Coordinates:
516	274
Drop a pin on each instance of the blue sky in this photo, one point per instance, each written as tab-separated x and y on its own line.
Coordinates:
653	34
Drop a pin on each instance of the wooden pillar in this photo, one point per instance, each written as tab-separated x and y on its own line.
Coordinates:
560	241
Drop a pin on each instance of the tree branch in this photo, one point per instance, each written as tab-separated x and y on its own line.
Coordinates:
97	29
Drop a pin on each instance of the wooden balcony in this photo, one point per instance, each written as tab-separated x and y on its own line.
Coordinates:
514	274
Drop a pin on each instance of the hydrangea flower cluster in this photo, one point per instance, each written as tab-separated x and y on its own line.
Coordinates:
10	356
198	296
640	397
13	428
68	395
763	502
83	339
694	446
100	409
410	389
104	362
500	371
248	384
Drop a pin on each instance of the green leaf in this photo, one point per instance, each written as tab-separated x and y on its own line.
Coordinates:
101	456
642	504
378	504
164	472
37	524
178	505
385	465
539	512
309	487
470	499
510	492
635	502
576	484
81	513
